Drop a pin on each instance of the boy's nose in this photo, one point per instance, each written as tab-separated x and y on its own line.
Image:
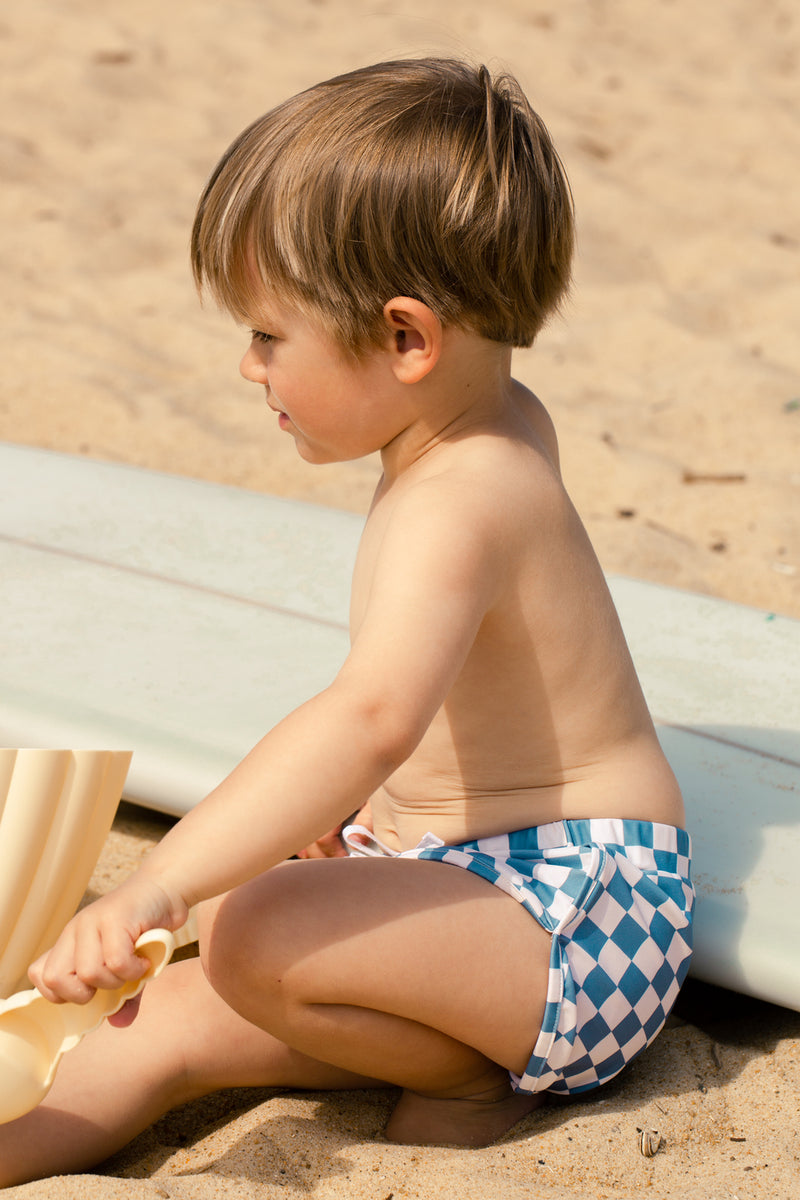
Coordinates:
251	367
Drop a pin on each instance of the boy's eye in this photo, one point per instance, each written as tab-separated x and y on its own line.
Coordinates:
258	336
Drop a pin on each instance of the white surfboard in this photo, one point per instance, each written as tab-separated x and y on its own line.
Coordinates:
181	619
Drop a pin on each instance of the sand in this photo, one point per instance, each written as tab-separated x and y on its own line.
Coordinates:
672	378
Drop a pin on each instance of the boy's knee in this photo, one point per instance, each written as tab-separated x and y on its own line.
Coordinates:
240	947
206	918
222	942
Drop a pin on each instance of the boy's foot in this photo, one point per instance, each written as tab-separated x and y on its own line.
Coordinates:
469	1121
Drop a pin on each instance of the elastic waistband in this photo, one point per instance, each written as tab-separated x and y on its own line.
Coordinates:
605	831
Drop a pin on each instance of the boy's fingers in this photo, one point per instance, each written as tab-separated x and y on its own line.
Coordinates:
328	846
105	957
58	985
47	975
82	961
324	849
37	980
331	844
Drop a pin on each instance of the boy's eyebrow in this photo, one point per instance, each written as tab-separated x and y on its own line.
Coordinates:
259	320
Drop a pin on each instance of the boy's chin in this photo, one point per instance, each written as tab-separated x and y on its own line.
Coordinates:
317	455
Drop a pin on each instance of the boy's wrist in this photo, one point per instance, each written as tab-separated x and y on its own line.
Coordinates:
166	899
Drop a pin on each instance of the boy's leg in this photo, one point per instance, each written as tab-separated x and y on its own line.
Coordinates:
422	978
184	1043
419	973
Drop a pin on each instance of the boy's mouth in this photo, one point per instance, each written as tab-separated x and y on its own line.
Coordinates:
281	415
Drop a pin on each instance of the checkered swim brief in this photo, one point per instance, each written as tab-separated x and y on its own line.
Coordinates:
617	898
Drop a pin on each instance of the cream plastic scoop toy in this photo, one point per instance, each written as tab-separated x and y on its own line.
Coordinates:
35	1034
56	808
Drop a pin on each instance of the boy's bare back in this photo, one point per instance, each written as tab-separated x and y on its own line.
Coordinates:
545	717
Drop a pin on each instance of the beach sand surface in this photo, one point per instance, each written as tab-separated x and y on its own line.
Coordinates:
672	377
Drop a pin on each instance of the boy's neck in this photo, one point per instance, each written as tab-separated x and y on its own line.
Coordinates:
467	392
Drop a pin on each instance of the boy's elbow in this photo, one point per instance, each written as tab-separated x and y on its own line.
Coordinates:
391	731
394	734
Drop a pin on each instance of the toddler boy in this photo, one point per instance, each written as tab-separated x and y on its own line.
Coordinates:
513	919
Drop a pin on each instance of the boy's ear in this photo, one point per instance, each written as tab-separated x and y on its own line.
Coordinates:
415	338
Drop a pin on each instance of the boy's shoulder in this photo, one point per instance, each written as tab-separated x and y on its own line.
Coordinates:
540	422
490	483
513	459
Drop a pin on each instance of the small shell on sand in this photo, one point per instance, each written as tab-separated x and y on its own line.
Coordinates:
650	1142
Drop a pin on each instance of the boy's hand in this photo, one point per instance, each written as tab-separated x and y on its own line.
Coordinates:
96	949
330	845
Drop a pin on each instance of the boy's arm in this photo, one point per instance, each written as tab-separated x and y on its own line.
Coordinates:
436	574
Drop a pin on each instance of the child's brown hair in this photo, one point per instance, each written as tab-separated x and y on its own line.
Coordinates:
423	178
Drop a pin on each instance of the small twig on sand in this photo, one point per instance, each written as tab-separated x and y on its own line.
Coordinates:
724	477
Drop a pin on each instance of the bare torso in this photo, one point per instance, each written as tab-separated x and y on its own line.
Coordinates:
546	719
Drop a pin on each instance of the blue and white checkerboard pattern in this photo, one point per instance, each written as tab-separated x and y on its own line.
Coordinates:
617	897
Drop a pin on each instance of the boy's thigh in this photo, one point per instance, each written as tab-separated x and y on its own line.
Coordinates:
423	940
